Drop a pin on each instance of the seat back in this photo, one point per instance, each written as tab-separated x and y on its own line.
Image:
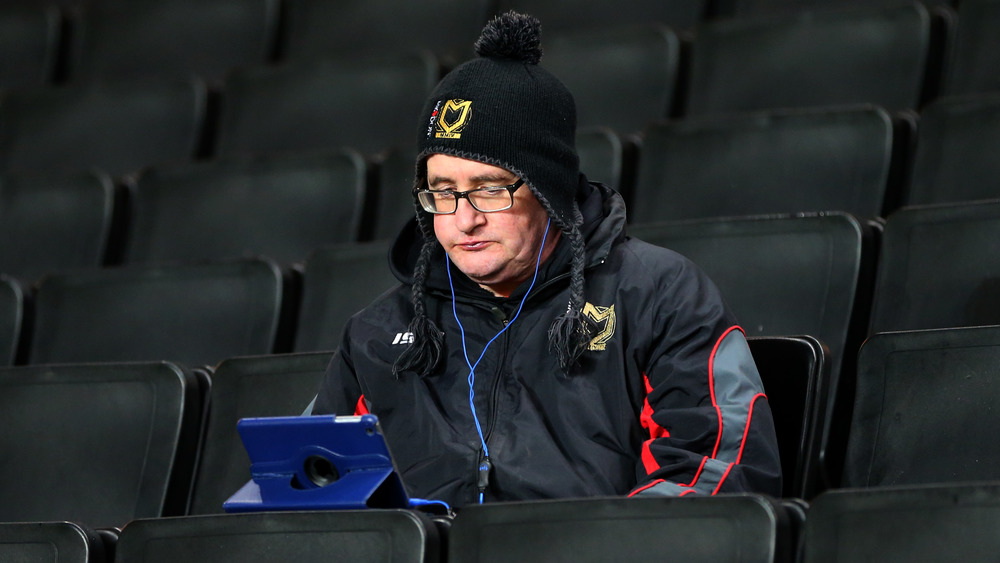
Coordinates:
393	193
11	319
975	63
195	314
560	15
604	157
924	409
866	55
760	163
54	542
795	371
628	78
724	528
281	207
318	29
29	43
54	223
955	159
339	535
365	104
96	444
117	127
926	524
745	8
172	38
938	267
251	386
340	280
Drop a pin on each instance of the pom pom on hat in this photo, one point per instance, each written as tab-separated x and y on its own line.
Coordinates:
513	36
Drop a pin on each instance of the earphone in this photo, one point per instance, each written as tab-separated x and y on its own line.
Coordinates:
484	467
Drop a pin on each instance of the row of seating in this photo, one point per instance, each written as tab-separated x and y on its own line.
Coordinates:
919	433
345	99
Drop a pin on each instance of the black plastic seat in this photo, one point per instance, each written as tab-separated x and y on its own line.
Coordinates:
746	8
605	158
867	55
197	314
560	15
746	528
339	281
366	104
393	193
51	542
117	127
795	371
621	77
762	163
915	525
790	275
938	268
955	158
98	444
250	386
318	29
29	45
975	63
281	207
11	319
925	411
54	223
340	535
172	38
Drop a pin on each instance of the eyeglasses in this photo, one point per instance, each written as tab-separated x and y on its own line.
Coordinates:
486	200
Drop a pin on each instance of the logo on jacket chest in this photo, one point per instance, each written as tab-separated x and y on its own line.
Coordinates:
604	318
403	338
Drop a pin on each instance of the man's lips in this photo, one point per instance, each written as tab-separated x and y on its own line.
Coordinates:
473	245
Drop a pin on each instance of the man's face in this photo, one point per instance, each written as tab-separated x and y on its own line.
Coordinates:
497	250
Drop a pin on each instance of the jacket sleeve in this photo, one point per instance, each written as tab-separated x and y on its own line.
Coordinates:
709	425
340	393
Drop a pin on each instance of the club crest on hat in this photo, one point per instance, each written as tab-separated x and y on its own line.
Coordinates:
452	119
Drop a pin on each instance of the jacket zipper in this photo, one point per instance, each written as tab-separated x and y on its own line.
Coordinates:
485	464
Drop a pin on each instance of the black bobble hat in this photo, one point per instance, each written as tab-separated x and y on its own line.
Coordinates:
503	109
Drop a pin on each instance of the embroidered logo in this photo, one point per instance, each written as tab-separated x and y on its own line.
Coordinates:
452	118
403	338
604	317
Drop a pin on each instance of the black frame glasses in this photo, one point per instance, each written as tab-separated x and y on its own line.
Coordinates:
430	200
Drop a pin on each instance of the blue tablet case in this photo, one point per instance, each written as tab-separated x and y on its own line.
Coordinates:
316	463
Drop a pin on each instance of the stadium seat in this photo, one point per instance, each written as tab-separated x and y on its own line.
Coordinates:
250	386
606	158
767	162
925	411
561	15
975	63
51	542
938	268
875	55
117	127
790	275
172	38
392	193
621	77
955	158
339	535
29	45
97	444
795	371
281	207
198	314
11	319
369	105
747	528
915	525
320	29
55	222
339	281
748	8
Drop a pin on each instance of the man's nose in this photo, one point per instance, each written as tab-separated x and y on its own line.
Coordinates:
468	217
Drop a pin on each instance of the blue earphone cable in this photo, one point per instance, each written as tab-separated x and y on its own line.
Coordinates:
472	366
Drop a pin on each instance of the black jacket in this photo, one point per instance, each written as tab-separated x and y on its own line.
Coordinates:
666	400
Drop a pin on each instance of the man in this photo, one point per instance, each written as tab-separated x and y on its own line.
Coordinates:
533	350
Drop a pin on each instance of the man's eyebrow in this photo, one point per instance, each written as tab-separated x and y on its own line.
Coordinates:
494	178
